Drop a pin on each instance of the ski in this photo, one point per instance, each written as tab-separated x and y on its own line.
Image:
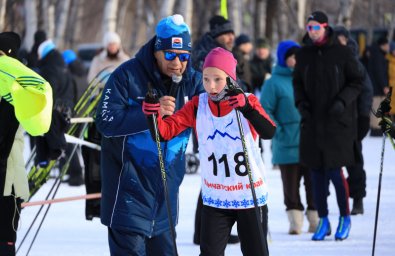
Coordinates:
85	108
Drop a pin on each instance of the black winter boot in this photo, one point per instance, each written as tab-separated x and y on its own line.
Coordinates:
357	207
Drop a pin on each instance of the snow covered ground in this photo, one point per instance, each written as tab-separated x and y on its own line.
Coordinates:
66	232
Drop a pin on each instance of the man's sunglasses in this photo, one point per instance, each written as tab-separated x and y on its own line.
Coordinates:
315	27
181	56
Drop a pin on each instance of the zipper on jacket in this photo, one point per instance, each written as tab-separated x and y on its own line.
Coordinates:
152	228
218	109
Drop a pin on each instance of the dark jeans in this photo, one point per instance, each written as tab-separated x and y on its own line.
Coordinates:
291	175
217	225
321	178
9	218
132	244
357	175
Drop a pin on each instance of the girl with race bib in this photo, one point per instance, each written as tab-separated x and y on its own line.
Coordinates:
226	190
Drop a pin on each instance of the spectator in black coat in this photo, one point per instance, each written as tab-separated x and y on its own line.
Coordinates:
377	66
32	58
53	69
356	174
327	82
221	34
242	51
77	71
261	64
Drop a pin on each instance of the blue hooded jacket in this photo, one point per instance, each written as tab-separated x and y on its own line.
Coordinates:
132	189
277	98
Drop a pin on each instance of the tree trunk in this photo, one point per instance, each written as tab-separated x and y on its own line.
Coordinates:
259	18
345	13
371	18
166	8
51	21
3	6
63	13
271	13
30	23
301	14
150	19
110	16
185	8
282	24
137	24
235	10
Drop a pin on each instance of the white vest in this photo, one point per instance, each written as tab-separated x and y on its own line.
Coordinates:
225	182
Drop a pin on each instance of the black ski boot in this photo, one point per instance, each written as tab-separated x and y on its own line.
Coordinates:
357	207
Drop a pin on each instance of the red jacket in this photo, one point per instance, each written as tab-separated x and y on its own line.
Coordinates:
260	123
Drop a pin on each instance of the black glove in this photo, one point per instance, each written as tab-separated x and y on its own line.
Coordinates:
337	108
387	126
151	104
363	126
304	110
384	108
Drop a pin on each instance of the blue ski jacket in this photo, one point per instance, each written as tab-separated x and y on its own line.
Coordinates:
132	188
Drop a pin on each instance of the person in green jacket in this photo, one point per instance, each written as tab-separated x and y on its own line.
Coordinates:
25	104
277	99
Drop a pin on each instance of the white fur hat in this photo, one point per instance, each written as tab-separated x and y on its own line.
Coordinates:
111	37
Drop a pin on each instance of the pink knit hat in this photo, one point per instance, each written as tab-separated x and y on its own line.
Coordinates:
222	59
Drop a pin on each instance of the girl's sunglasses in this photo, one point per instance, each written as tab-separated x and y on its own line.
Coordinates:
172	55
315	27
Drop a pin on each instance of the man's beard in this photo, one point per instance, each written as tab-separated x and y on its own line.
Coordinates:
112	55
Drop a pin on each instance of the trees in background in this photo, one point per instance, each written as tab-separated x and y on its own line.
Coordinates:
71	22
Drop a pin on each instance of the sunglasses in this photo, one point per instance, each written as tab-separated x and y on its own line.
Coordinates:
315	27
181	56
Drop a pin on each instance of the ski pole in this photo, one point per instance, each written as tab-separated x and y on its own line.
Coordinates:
250	178
163	175
57	184
378	195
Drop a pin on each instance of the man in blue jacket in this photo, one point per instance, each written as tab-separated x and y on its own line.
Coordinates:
133	204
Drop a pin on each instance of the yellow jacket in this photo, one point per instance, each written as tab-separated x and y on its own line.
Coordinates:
28	92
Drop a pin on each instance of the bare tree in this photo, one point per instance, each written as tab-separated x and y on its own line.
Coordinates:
166	8
110	15
2	14
235	9
271	13
259	18
150	18
203	10
301	13
282	24
186	9
63	11
137	24
122	17
30	23
48	10
345	12
73	28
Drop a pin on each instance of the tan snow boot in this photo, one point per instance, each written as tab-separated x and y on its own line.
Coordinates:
312	217
295	218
